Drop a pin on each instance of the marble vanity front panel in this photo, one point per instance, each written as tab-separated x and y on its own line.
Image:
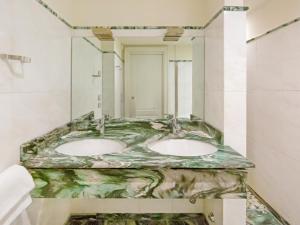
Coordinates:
164	183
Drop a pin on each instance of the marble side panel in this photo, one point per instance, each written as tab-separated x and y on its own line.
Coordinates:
260	213
139	183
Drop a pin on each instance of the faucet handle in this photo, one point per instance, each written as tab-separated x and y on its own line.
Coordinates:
194	117
100	125
106	117
168	116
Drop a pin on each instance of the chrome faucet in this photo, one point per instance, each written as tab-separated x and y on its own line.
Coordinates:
101	123
101	126
106	117
175	126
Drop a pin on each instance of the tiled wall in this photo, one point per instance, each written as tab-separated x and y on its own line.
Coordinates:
198	77
225	76
214	73
38	100
108	65
118	86
225	88
273	119
235	77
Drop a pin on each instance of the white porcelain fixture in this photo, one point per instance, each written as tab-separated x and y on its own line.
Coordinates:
15	198
182	147
90	147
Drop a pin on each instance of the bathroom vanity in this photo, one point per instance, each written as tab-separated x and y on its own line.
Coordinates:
141	76
135	170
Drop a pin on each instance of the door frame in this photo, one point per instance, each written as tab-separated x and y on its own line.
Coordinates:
162	50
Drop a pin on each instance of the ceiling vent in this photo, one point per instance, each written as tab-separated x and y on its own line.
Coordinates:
173	33
103	34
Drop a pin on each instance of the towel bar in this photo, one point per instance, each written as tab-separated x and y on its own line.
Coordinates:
22	59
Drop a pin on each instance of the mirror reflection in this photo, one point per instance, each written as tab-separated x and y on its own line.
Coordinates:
144	74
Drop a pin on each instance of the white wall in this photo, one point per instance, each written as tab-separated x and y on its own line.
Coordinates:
198	86
235	77
265	15
108	65
273	105
185	97
225	94
185	82
113	86
180	52
171	88
273	119
225	77
214	73
38	101
119	88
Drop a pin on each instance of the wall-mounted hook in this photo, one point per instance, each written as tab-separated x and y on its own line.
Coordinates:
17	71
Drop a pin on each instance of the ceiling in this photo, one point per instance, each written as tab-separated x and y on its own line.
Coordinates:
254	4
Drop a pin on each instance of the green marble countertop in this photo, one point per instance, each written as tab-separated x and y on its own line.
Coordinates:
136	134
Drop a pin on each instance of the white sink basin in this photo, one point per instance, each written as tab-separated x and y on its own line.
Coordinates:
182	147
90	147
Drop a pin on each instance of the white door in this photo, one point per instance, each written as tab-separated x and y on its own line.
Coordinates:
145	85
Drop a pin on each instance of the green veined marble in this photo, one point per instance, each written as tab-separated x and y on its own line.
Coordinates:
137	134
138	219
139	183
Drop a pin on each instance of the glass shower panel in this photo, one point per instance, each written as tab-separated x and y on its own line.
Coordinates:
86	78
185	94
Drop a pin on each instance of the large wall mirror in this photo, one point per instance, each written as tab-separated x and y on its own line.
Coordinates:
142	73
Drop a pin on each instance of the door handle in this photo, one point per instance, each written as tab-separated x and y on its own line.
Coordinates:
97	75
